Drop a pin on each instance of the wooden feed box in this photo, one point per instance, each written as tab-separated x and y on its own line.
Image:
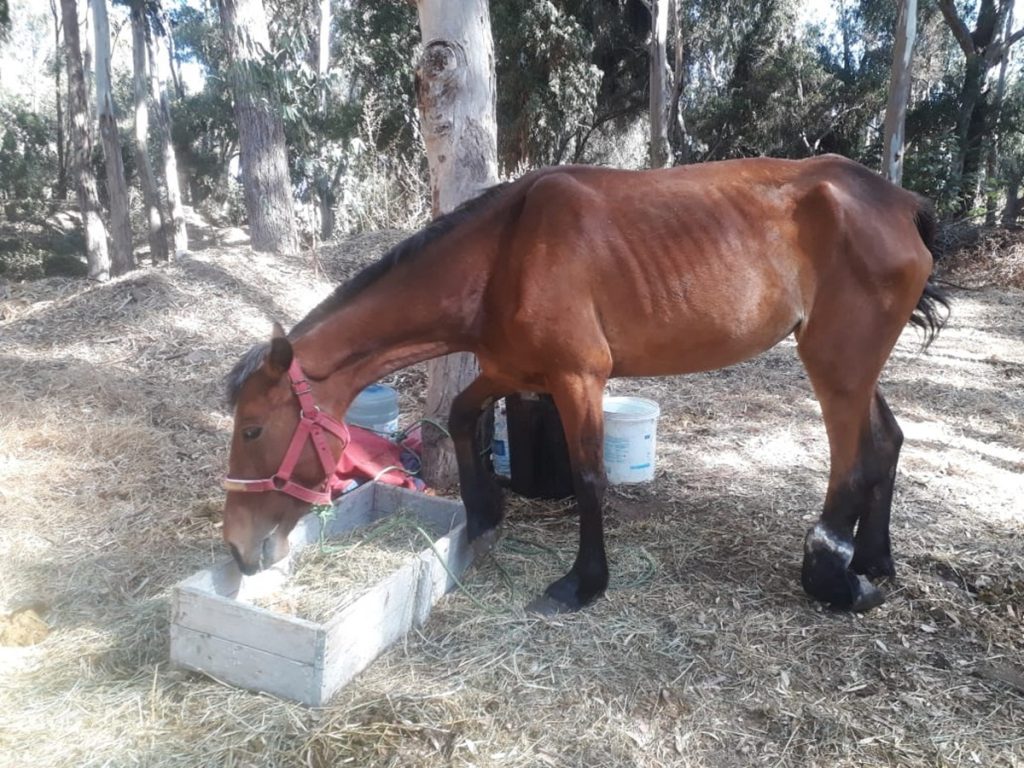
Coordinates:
215	630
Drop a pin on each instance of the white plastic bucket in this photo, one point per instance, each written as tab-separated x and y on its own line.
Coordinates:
500	456
630	439
376	409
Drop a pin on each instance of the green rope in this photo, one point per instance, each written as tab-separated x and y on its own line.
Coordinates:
420	422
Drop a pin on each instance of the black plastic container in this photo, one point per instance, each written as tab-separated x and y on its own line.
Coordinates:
537	449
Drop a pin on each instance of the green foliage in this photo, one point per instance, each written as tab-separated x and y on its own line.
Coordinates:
28	163
34	247
572	87
549	87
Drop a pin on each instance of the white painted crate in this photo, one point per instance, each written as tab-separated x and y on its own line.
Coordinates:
214	632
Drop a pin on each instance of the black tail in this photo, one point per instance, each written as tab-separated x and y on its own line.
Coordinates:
927	314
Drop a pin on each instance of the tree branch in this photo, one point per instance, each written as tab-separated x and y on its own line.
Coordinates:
957	26
995	53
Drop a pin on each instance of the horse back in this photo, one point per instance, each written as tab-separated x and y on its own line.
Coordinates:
696	267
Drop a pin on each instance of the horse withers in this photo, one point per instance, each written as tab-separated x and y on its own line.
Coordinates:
572	275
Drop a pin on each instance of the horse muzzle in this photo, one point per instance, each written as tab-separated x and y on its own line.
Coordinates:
271	549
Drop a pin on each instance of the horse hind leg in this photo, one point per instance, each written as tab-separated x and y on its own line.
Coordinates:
844	365
872	555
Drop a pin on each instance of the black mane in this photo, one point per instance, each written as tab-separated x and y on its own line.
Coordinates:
244	368
403	252
399	254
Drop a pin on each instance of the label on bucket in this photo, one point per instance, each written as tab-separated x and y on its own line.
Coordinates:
499	445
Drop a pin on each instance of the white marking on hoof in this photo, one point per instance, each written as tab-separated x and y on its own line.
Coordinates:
821	537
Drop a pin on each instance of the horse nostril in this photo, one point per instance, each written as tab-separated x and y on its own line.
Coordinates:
244	567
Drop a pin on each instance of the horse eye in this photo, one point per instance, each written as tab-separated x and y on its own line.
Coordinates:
251	433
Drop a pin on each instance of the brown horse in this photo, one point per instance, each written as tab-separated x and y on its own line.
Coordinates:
572	275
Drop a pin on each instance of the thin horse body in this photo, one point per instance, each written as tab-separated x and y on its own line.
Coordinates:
572	275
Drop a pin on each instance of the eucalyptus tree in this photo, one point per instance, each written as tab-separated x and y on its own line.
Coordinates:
122	254
97	255
264	162
456	96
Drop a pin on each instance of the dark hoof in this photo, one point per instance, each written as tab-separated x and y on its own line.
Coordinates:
545	605
484	543
868	596
569	593
827	576
874	567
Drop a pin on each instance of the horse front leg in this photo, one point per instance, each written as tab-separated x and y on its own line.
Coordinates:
481	494
579	402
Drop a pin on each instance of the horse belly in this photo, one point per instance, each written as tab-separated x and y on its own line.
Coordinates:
706	332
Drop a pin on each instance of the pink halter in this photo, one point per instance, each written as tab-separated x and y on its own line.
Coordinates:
312	424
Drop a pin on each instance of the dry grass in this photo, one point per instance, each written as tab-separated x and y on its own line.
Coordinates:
984	256
704	652
328	575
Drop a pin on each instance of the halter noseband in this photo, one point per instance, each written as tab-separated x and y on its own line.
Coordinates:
313	423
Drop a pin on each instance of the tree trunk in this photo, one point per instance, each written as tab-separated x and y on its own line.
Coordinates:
161	100
81	145
456	97
970	133
147	179
122	257
899	93
992	158
963	182
679	138
265	176
658	97
61	190
87	64
168	51
323	58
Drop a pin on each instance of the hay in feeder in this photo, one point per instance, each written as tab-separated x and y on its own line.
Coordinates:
329	575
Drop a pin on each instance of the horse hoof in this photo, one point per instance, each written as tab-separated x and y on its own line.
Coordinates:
485	542
877	568
545	605
868	596
828	575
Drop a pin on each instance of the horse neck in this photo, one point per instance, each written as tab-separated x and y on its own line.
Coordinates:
423	308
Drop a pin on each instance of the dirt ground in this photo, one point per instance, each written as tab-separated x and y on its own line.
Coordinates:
705	651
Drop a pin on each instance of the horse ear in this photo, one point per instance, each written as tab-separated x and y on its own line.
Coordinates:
279	359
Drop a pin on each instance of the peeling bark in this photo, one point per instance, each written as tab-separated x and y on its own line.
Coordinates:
81	149
147	179
659	150
899	93
265	176
456	96
155	51
122	256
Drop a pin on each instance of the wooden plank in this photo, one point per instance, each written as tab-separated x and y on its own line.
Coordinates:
367	627
438	515
353	510
244	666
248	625
450	557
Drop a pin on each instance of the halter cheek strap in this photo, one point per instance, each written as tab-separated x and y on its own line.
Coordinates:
313	424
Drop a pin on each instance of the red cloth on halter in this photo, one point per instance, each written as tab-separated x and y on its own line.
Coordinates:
370	456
